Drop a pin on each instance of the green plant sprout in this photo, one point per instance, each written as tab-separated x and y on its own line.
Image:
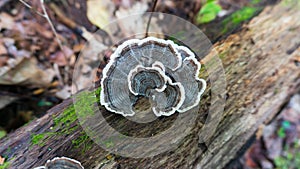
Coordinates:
208	12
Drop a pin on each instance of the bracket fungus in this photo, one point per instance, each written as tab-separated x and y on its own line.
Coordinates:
152	68
61	163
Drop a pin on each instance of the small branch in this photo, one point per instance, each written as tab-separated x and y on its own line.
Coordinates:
46	16
149	21
52	26
30	7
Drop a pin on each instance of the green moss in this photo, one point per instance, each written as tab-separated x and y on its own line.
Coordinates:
5	165
202	71
290	157
223	54
37	139
243	14
83	142
66	118
83	107
239	16
294	3
40	139
86	104
108	143
97	92
254	2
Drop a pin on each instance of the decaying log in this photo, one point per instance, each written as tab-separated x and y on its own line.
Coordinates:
262	69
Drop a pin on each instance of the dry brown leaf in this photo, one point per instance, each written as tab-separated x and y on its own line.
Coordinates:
6	21
78	47
60	57
3	60
3	50
25	71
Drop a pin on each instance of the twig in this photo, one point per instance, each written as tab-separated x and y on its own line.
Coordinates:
52	26
30	7
149	21
46	16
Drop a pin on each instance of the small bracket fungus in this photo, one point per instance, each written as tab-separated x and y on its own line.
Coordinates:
61	163
157	69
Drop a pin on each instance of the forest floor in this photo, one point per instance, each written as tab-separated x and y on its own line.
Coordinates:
36	65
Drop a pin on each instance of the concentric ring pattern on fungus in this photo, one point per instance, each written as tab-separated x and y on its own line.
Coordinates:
159	70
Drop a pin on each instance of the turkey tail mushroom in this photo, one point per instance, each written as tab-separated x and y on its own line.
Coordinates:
61	163
160	70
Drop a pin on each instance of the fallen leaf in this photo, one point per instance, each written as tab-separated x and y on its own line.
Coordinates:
253	154
60	57
78	47
98	12
9	43
3	50
2	160
123	3
64	93
3	60
38	91
91	54
25	115
54	84
5	100
25	71
6	21
136	23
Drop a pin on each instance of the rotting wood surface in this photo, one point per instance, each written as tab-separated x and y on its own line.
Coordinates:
261	63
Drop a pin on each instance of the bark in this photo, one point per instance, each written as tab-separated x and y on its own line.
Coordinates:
262	70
